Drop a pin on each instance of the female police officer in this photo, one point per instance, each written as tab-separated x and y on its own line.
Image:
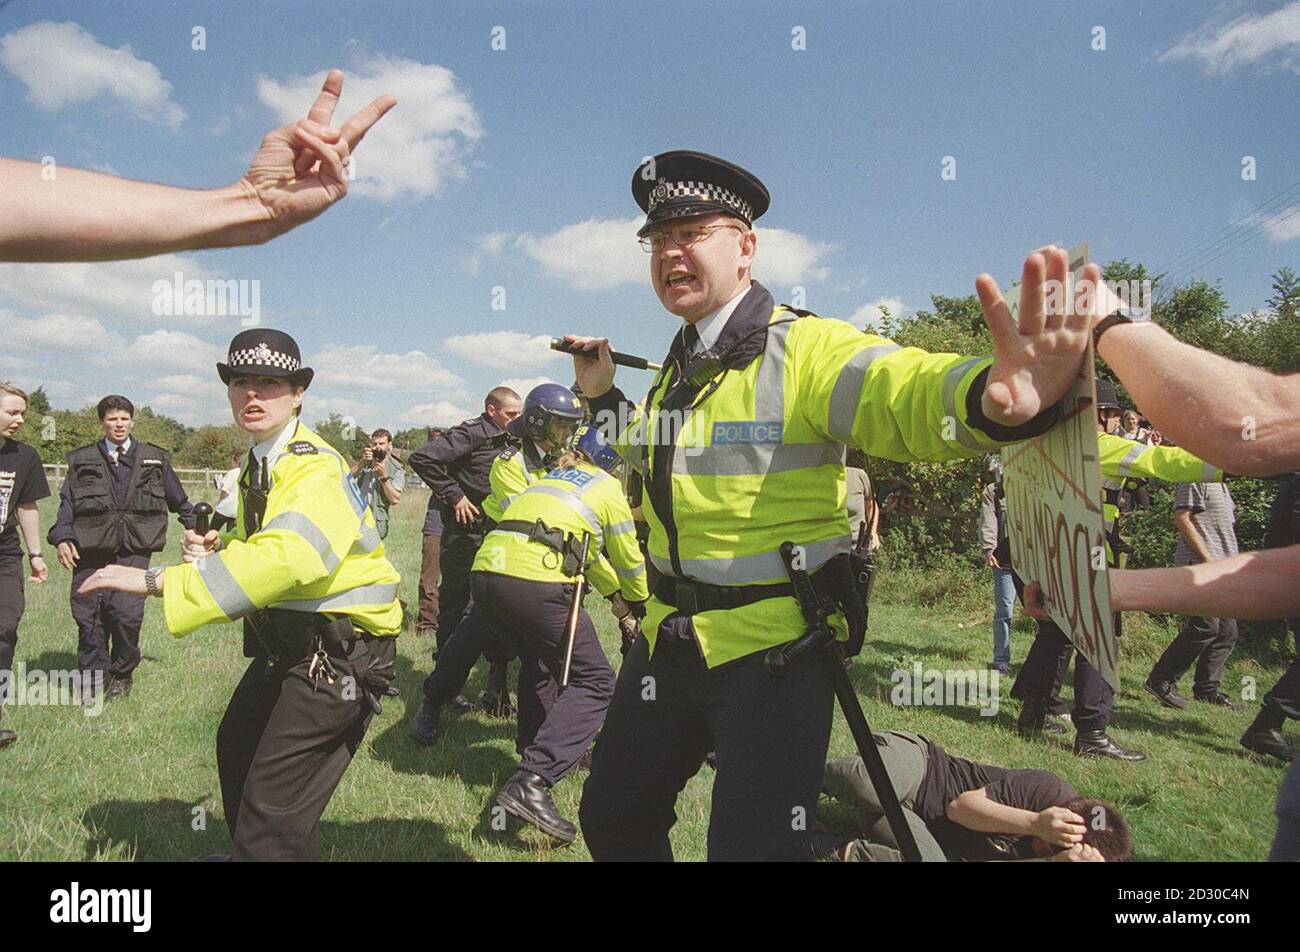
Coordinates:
305	569
523	581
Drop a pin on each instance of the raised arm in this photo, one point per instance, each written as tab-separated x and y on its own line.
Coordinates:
297	173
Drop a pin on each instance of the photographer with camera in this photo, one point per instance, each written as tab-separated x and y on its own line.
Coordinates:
380	478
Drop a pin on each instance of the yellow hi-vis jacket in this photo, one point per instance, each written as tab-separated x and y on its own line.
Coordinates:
514	470
759	460
318	551
583	498
1123	459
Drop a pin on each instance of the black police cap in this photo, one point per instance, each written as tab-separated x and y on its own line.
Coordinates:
681	183
1107	398
263	352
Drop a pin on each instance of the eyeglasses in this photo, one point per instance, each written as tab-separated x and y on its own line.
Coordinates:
683	236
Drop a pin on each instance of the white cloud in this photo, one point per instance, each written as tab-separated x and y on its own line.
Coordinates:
123	288
364	367
62	332
521	385
188	383
168	350
868	315
365	414
490	245
1286	227
190	409
438	413
62	65
592	255
506	350
416	147
1271	39
787	257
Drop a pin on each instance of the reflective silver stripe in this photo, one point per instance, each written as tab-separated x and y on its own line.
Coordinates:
377	594
951	381
225	591
846	397
573	502
310	533
368	540
1131	457
769	382
1209	472
754	569
630	573
757	459
618	528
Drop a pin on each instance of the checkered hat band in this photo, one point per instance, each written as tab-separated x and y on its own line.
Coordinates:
667	191
262	357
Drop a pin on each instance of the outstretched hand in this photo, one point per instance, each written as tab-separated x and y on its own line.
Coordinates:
300	169
117	578
1036	360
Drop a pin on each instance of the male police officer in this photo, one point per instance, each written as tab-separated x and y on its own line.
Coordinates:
455	466
741	443
113	510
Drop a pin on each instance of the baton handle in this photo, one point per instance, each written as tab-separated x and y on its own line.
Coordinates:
202	518
622	360
571	629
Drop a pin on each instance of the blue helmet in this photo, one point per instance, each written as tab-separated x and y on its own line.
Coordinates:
544	404
589	442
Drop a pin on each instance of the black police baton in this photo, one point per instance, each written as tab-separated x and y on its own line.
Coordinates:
571	629
623	360
820	637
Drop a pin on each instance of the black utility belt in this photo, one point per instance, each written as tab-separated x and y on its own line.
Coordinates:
566	544
291	636
691	598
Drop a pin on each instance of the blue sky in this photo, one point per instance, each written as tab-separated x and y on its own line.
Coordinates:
511	168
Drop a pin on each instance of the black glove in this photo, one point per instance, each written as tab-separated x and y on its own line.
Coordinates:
630	627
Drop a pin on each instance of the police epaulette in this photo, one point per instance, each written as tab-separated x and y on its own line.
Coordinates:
301	448
508	452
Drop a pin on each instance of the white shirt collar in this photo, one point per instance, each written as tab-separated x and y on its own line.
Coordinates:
111	447
710	326
270	448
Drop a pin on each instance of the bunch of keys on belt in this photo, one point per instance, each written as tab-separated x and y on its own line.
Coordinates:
321	667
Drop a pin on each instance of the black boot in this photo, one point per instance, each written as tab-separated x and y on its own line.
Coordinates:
425	726
1264	737
1033	722
1098	744
7	736
528	797
1166	692
496	699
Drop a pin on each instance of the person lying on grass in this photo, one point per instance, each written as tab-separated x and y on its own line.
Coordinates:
960	810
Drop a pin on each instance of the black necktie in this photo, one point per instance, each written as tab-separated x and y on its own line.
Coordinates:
254	486
118	452
690	337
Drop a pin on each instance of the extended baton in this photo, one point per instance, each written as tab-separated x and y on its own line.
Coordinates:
571	629
819	636
623	360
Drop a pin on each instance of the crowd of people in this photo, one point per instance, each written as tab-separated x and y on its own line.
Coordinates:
736	454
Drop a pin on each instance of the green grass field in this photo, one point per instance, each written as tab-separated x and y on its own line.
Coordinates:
139	782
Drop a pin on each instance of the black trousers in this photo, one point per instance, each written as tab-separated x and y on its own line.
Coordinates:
474	637
1038	684
555	729
771	735
284	744
1284	700
108	623
459	546
1205	642
12	603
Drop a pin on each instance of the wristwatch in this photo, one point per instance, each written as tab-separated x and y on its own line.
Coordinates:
152	583
35	555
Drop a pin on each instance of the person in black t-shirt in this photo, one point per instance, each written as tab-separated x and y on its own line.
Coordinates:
960	810
22	483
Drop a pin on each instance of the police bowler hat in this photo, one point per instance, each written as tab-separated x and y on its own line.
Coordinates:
263	352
